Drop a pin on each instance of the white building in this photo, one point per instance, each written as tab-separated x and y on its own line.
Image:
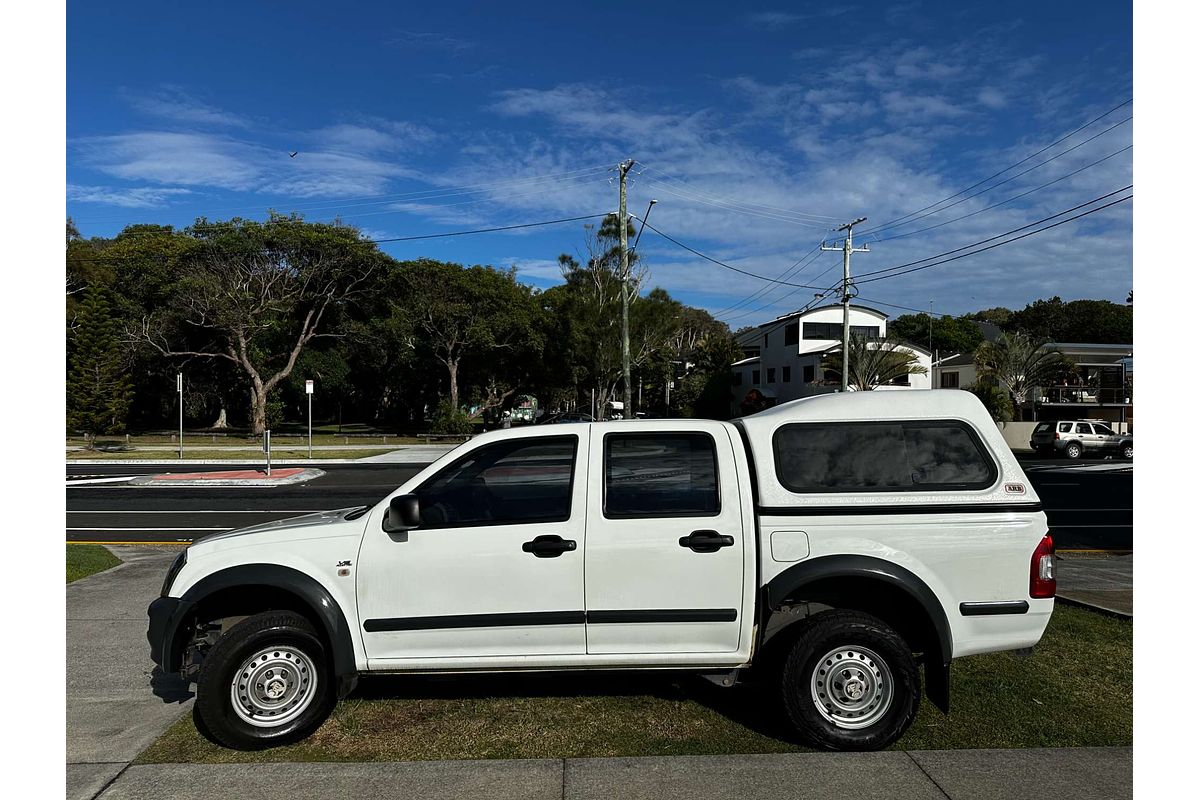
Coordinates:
783	357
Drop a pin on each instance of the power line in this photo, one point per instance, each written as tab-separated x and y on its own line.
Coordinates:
1011	166
97	256
767	289
1001	183
723	264
997	236
1008	200
998	244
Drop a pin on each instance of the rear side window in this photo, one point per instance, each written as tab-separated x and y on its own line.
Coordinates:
1064	427
908	456
660	475
1043	427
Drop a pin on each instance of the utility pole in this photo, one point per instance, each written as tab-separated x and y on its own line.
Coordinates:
847	248
623	221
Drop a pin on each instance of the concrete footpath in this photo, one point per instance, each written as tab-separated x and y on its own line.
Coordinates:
113	713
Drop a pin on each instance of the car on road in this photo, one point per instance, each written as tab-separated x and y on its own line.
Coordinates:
830	547
1076	438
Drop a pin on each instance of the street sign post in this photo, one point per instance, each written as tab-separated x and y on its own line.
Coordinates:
179	389
308	390
267	449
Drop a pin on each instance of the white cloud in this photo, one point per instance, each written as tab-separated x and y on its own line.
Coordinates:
125	197
992	97
173	103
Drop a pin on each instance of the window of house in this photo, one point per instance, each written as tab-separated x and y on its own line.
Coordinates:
791	333
757	377
808	373
822	330
787	374
660	475
909	456
867	331
507	483
770	374
766	340
949	380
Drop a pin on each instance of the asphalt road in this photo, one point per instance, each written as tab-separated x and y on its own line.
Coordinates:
1089	503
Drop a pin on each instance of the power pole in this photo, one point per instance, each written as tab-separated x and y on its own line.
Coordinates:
847	248
623	221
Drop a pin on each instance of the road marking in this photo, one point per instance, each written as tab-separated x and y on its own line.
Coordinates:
159	528
185	511
88	481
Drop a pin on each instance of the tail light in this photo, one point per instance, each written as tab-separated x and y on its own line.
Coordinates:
1056	437
1041	570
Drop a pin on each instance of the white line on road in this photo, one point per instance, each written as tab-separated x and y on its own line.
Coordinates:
86	481
156	528
217	511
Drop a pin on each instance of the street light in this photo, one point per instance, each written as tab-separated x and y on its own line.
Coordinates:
645	217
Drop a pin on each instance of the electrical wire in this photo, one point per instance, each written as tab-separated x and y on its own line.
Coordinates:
1011	166
993	238
1008	200
999	244
879	228
719	263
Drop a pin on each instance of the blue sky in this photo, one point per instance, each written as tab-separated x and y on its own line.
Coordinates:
756	127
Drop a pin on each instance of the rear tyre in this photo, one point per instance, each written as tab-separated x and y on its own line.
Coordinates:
1073	451
1127	451
265	683
850	683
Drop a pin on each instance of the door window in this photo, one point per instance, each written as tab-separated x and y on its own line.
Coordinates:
1103	430
1082	427
660	475
507	483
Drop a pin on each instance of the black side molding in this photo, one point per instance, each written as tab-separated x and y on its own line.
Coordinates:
992	608
928	508
550	618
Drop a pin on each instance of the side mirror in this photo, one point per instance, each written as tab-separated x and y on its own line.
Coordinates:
404	513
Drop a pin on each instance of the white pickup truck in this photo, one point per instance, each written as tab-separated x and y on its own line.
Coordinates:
831	545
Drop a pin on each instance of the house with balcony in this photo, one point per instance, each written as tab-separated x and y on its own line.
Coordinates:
782	358
1101	386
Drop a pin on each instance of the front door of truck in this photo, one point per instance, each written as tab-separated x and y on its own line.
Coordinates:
496	566
667	543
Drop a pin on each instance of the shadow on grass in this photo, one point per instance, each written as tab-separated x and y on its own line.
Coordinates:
751	704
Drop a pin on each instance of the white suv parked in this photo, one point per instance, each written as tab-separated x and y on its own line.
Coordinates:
832	545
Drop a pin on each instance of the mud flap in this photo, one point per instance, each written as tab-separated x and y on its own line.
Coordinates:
937	685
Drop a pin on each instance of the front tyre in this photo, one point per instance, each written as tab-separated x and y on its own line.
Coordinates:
850	683
265	683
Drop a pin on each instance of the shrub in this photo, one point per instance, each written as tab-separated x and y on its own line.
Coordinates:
994	399
448	419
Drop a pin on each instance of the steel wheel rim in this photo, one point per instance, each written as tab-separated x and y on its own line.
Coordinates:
1129	451
273	686
852	687
1073	452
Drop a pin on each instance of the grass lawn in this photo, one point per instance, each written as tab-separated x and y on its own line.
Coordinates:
1076	690
88	559
277	454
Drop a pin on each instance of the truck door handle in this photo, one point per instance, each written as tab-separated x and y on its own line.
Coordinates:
548	546
705	541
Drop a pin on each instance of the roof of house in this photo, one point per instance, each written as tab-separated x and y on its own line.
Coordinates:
960	360
804	313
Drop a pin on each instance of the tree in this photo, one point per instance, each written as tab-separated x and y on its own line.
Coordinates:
997	316
994	399
1019	363
256	294
98	388
1100	321
949	334
875	362
477	313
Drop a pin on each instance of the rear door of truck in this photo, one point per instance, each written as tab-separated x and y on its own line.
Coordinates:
668	539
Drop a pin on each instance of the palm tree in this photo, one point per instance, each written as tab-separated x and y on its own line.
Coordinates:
875	362
1020	362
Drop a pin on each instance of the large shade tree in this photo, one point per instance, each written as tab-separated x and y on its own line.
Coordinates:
256	294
